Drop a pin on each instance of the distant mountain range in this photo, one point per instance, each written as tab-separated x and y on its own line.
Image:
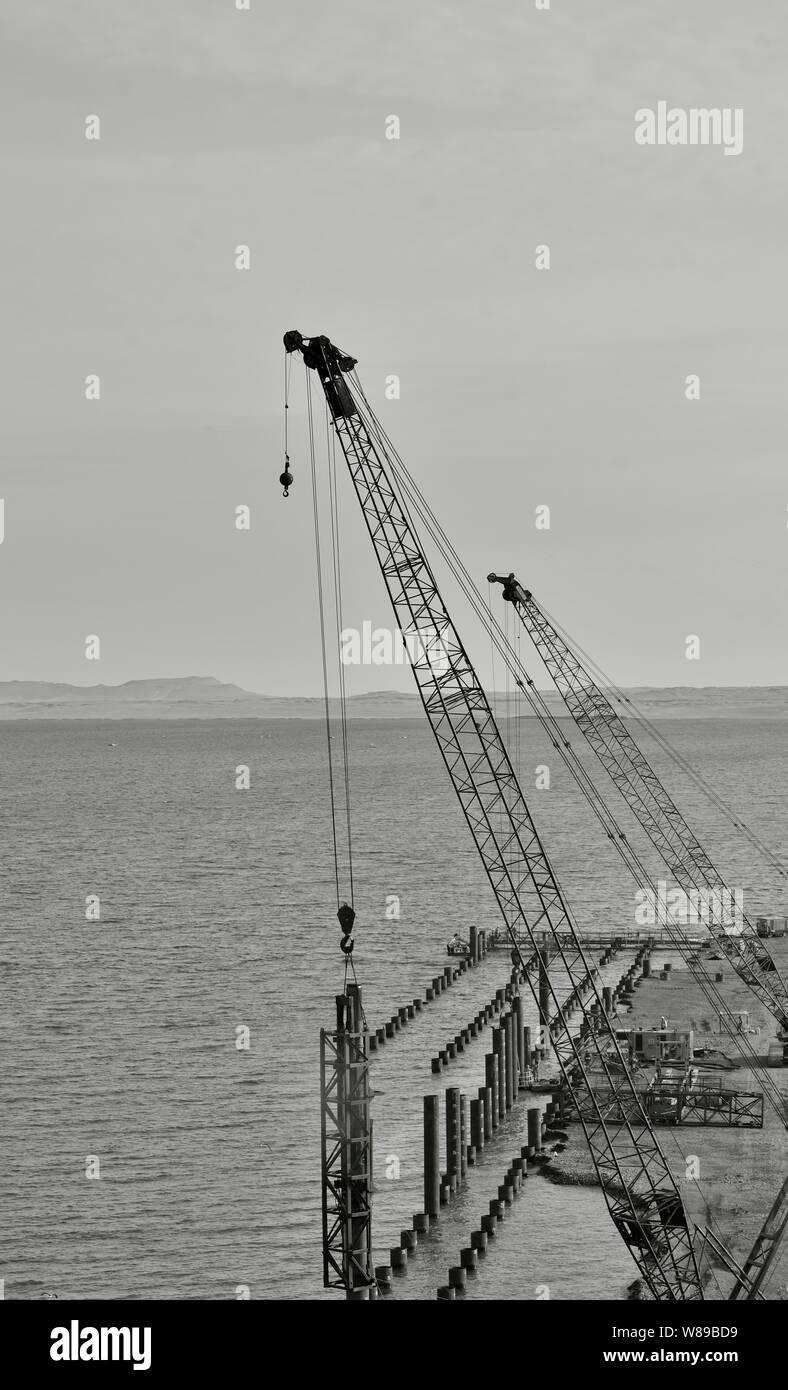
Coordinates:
204	697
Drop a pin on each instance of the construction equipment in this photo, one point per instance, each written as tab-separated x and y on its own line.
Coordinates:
622	758
644	793
639	1188
764	1251
632	859
346	1139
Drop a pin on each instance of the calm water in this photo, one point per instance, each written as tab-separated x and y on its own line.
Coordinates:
217	912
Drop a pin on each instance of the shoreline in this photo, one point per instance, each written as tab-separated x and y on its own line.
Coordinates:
740	1169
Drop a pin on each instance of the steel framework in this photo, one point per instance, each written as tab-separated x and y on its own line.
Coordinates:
765	1248
644	793
706	1105
667	1104
347	1150
639	1188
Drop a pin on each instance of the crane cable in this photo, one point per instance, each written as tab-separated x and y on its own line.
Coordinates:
336	556
494	701
286	477
326	703
667	747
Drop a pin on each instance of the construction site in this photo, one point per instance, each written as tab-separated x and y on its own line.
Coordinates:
649	1064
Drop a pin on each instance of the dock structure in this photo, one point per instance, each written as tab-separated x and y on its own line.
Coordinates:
620	940
459	1128
462	1127
687	1105
510	1068
705	1102
526	1057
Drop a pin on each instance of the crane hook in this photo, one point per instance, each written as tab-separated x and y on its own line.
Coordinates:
286	478
346	917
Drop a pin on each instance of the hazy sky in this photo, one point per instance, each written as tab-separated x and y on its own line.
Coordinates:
519	387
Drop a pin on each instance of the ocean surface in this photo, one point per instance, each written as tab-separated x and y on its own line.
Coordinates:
217	914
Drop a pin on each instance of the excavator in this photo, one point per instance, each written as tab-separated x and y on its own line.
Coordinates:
638	1184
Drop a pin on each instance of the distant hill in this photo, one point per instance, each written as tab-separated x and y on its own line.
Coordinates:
204	697
178	697
177	688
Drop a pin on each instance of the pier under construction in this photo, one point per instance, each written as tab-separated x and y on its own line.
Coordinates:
568	1043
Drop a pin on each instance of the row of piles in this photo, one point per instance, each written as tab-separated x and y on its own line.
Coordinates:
531	1153
459	1155
505	1072
398	1020
493	1009
468	1127
539	1124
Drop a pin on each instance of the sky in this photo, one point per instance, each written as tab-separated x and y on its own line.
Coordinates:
519	387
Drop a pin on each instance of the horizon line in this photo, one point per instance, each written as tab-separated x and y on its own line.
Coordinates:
359	695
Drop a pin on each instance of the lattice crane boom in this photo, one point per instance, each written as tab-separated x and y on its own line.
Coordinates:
764	1252
641	788
638	1185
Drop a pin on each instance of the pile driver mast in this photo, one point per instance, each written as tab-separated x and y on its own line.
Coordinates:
639	1188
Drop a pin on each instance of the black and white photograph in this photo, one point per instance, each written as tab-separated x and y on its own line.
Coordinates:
394	675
